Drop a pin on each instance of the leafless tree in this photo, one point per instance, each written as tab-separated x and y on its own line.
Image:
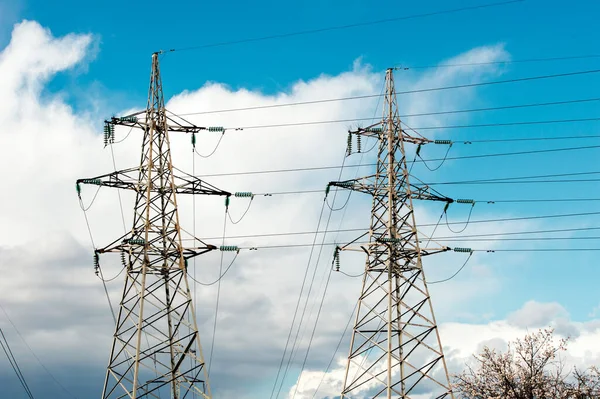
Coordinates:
586	383
529	369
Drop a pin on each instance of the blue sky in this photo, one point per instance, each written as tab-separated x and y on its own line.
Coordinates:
128	32
113	76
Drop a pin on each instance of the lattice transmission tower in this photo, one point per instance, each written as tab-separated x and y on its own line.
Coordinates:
156	347
395	349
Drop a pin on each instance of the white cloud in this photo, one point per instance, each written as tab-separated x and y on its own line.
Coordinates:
462	340
536	314
440	77
51	291
33	56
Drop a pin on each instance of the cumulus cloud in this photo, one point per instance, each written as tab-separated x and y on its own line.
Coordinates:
462	340
536	314
51	292
472	71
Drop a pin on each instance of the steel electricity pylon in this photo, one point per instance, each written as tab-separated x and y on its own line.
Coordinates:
395	349
156	348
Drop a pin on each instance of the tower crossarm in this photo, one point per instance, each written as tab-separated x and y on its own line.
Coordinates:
156	350
377	130
131	120
138	120
395	324
424	192
368	185
125	244
393	244
132	241
128	179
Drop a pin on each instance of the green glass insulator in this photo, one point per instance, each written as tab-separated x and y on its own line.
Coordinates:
349	143
128	119
468	250
228	248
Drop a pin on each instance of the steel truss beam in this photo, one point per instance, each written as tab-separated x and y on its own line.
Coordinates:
156	348
395	349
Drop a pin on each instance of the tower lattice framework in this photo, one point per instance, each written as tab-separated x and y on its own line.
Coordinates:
156	350
395	349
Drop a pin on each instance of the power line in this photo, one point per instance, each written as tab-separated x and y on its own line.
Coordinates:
502	107
431	225
541	200
420	114
330	269
531	139
538	250
521	239
87	208
34	355
321	249
483	182
312	280
499	179
508	124
525	218
522	232
455	273
502	180
474	250
314	168
314	329
335	352
295	233
433	113
221	274
375	95
527	60
506	250
502	154
214	149
13	363
289	337
100	272
327	280
157	231
526	182
341	27
333	121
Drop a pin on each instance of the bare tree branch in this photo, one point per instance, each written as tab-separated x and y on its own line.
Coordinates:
530	369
